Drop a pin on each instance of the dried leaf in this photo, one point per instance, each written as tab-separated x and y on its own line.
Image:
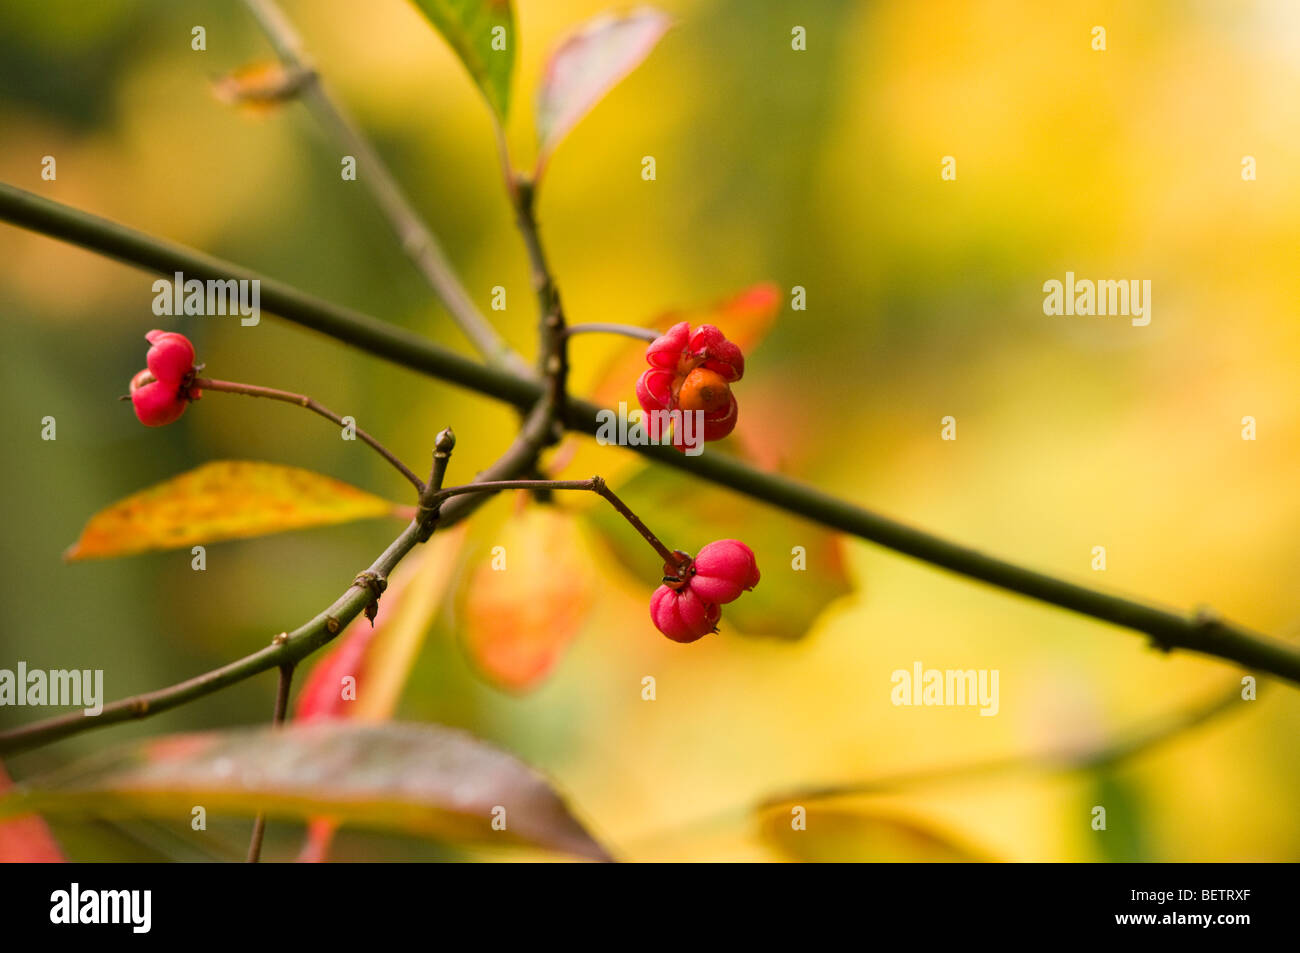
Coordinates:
226	499
422	779
587	65
482	34
260	88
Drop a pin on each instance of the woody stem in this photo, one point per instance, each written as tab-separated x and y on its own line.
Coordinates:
554	352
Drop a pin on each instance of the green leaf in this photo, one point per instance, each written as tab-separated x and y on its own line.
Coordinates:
226	499
1122	841
482	33
588	65
857	835
421	779
686	514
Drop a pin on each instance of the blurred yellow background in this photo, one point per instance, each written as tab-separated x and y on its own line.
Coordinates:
820	169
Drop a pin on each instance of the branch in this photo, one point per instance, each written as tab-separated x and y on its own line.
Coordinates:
252	390
285	649
367	333
1201	632
290	648
417	240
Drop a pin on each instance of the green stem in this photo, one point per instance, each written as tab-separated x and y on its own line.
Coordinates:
165	258
1169	630
417	239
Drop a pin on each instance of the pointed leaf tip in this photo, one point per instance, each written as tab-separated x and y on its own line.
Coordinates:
482	34
588	65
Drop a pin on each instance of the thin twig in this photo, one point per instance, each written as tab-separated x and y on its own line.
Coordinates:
416	238
1168	630
594	484
627	330
277	718
252	390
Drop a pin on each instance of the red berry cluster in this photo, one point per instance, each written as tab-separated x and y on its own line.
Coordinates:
693	371
689	603
162	391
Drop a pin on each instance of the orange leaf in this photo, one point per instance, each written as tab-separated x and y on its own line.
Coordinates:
528	597
227	499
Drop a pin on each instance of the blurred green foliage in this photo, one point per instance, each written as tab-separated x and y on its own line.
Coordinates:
816	168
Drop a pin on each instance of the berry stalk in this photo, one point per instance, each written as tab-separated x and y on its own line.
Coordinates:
252	390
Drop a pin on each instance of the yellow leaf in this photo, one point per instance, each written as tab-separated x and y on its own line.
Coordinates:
820	833
226	499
